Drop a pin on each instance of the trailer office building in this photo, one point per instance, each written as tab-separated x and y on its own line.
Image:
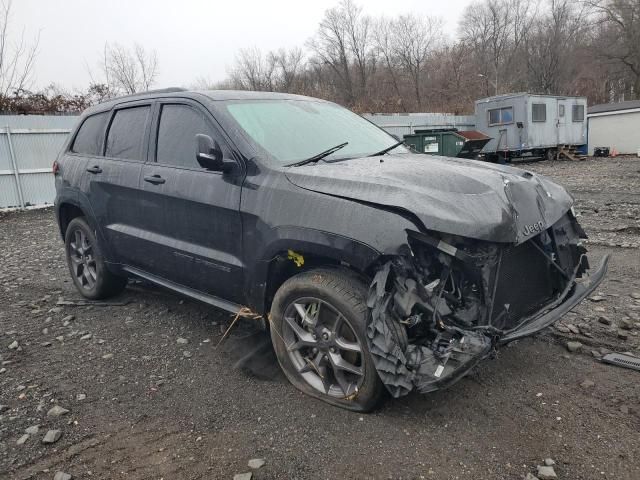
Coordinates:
527	125
615	126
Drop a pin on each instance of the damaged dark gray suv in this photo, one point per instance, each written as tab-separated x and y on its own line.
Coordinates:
375	268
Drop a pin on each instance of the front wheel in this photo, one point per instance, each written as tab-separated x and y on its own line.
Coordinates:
86	263
318	321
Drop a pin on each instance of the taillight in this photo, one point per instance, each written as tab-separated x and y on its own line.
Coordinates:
55	168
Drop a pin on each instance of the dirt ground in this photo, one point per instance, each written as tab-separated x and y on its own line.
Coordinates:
144	404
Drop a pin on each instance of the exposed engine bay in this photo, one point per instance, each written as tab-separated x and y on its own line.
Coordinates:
444	303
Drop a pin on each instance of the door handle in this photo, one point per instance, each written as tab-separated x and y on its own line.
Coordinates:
94	169
155	179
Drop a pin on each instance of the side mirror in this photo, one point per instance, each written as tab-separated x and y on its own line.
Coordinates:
209	155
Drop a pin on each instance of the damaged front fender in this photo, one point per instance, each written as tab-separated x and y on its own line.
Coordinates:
440	307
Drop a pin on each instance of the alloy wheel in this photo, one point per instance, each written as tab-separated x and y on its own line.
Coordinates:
82	260
323	347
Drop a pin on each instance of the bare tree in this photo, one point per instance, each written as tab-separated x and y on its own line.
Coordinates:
405	63
495	29
551	45
253	71
128	71
415	39
344	44
17	57
619	39
289	65
384	39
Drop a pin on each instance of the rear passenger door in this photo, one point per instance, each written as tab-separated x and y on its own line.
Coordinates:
114	181
192	215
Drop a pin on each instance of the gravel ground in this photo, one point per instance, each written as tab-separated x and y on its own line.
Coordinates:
149	395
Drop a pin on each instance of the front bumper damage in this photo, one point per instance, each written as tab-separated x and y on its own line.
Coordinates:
445	303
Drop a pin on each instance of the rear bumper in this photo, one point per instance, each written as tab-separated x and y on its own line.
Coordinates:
574	294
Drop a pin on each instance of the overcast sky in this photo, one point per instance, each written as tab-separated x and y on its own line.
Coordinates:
193	39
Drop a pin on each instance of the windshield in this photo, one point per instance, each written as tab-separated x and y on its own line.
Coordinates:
290	131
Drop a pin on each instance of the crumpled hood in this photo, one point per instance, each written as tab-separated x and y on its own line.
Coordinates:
450	195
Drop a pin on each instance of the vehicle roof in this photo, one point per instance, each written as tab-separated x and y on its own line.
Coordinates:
214	95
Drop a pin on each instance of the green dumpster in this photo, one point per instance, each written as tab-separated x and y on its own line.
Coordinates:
447	142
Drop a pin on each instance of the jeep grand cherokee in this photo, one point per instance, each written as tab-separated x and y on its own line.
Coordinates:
374	267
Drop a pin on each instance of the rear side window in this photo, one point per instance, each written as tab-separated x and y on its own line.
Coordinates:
126	134
539	112
179	125
88	141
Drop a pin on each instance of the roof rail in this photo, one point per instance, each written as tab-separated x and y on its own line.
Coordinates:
159	90
166	90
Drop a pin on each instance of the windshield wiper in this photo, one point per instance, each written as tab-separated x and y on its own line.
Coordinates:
388	149
319	156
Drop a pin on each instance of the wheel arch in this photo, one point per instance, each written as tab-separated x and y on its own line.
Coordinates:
291	256
67	211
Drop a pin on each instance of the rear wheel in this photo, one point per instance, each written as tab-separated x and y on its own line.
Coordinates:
318	321
86	263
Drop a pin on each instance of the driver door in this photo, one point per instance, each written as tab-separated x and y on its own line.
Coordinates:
192	215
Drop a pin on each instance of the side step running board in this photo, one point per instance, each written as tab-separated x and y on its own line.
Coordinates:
186	291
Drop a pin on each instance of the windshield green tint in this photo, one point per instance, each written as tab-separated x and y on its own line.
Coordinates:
294	130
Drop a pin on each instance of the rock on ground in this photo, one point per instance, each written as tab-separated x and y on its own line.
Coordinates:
256	463
574	346
57	411
52	436
33	430
546	473
243	476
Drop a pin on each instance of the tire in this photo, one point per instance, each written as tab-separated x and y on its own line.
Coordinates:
550	154
340	370
86	263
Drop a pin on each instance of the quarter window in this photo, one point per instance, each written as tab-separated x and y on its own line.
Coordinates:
89	137
561	110
179	125
577	113
126	134
501	116
539	112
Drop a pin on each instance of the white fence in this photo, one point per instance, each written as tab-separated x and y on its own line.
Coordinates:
407	123
28	146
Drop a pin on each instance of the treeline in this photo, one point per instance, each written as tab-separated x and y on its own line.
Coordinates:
394	64
408	63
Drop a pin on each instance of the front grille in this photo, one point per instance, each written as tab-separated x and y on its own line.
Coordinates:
523	285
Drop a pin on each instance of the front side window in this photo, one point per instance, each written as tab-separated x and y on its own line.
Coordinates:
289	131
88	140
126	133
179	125
501	116
539	112
577	113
